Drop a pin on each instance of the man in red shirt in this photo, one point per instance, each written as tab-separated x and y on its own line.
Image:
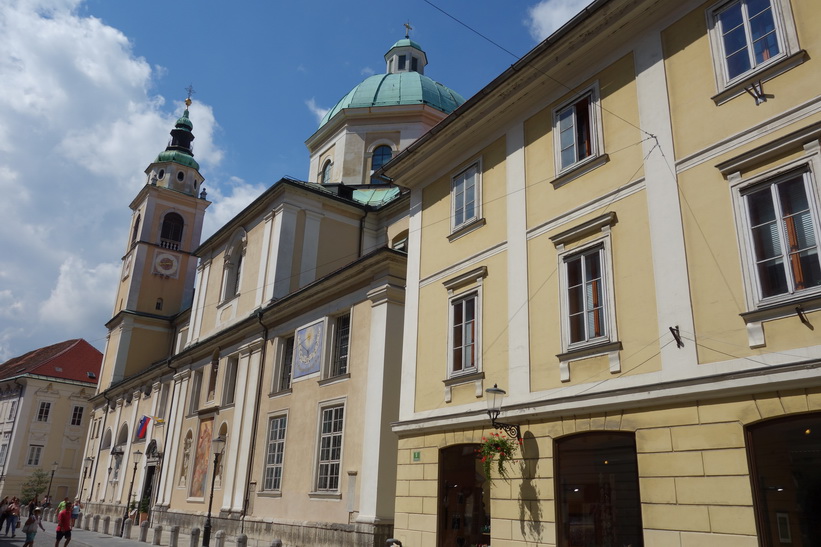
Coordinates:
63	527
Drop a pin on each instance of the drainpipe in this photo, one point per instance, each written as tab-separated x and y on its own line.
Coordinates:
256	419
97	456
13	427
361	234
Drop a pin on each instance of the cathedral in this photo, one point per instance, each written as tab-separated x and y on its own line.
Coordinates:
250	379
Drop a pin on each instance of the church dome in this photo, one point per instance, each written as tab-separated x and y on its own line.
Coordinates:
404	83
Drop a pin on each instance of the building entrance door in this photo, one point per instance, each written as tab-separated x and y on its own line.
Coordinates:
464	498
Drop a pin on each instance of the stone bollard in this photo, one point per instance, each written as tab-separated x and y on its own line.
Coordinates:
79	521
96	525
195	537
86	521
220	538
175	536
118	527
276	543
107	525
157	535
242	540
144	531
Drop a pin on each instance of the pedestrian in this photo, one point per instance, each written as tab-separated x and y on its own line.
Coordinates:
65	504
12	517
30	528
75	512
32	505
4	507
63	526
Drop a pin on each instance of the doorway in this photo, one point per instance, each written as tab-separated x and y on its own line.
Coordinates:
464	498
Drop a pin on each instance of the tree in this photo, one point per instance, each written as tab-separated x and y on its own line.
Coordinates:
35	485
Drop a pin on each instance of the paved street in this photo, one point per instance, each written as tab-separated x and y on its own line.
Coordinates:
79	538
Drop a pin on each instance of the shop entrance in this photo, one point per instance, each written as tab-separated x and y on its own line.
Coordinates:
464	498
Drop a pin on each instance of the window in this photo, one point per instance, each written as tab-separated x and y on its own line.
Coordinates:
3	451
585	316
402	62
782	231
35	451
466	196
784	460
12	411
158	304
381	155
576	131
136	231
464	334
597	490
77	416
275	453
748	35
286	364
212	380
326	172
414	64
171	233
44	411
230	383
196	386
341	340
232	266
330	448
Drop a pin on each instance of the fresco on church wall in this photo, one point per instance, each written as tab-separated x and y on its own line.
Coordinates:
201	462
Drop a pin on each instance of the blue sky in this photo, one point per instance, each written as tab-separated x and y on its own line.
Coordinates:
90	89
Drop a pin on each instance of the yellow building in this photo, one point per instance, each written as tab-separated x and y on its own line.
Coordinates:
621	231
277	340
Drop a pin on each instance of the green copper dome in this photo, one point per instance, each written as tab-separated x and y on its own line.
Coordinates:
179	150
406	42
404	88
177	157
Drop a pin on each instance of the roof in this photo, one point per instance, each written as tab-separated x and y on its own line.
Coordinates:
404	88
69	360
405	42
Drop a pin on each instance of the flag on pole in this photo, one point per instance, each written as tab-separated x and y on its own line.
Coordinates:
142	428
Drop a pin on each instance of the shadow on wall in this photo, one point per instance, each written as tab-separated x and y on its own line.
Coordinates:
530	510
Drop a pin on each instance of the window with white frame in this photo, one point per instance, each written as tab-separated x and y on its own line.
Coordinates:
577	131
229	387
196	386
464	334
286	362
35	451
330	448
341	342
781	229
465	193
748	35
77	416
275	453
44	411
212	380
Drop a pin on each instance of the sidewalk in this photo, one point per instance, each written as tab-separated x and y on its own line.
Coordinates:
88	538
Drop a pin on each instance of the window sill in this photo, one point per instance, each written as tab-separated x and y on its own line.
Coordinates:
611	349
280	393
477	378
767	72
334	379
577	170
325	495
466	228
755	319
269	494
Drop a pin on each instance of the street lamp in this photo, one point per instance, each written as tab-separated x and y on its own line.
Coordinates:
494	407
137	457
86	463
218	445
53	469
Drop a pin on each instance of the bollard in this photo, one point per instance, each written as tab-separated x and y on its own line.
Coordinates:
242	540
157	535
86	521
276	543
175	536
220	538
127	529
106	525
96	526
79	521
144	531
195	537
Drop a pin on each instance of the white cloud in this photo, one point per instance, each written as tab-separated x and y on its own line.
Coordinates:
547	16
226	205
318	112
78	126
367	71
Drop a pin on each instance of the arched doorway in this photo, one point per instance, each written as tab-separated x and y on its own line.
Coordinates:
464	498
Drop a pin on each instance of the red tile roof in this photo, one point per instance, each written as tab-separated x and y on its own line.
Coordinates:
71	360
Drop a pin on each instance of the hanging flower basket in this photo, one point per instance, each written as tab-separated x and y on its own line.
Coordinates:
499	448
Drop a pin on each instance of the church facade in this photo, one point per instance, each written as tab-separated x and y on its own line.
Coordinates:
261	366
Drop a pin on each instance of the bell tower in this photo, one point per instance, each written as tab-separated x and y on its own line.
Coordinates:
158	267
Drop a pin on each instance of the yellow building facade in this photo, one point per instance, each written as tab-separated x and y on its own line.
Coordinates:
621	231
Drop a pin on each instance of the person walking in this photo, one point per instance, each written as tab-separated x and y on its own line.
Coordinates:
4	508
63	526
12	517
75	512
30	528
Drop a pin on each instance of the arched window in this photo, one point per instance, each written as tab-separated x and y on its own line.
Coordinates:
326	173
136	229
597	490
171	234
381	155
106	440
232	269
787	483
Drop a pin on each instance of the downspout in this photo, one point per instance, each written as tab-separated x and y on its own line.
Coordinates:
13	427
247	496
99	447
361	234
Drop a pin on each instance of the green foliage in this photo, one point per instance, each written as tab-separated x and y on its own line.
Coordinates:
145	503
499	448
35	485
